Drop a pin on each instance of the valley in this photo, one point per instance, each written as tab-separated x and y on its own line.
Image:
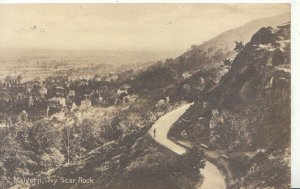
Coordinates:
216	116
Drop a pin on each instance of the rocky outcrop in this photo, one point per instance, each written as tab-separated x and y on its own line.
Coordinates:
247	115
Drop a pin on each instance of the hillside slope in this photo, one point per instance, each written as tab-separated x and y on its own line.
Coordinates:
200	68
245	32
247	116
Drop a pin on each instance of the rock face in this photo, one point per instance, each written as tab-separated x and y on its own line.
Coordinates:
258	87
201	67
256	105
247	115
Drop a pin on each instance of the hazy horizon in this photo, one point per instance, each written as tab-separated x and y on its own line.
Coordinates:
166	28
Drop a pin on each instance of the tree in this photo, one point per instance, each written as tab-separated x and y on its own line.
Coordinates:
9	80
13	157
227	62
51	158
88	134
44	135
194	158
19	78
67	140
239	46
111	130
193	47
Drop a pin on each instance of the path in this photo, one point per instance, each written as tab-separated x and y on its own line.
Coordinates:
162	127
213	179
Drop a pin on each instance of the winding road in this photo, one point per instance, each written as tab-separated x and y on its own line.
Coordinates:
213	179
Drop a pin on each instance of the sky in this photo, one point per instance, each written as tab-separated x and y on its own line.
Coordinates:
122	27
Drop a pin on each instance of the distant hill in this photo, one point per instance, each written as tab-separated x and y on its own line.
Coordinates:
201	64
221	46
245	32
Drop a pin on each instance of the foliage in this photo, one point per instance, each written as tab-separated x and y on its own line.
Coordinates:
239	46
194	158
227	62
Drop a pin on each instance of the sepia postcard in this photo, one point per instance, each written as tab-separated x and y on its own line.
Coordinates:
145	96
